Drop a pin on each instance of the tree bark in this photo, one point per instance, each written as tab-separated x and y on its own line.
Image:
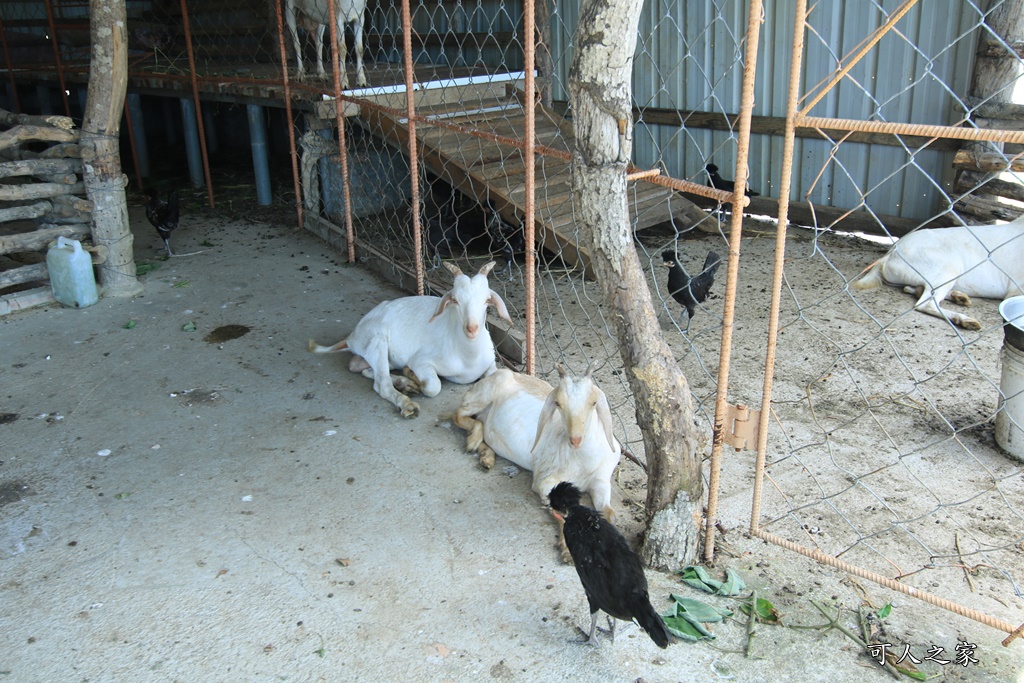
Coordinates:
104	181
601	100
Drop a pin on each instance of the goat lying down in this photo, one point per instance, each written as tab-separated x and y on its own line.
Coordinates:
955	263
314	15
427	337
561	433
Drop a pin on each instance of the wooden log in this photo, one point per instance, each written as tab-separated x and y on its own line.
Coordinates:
986	162
12	193
16	136
26	212
39	239
67	150
988	208
40	167
73	201
68	179
27	299
970	181
72	217
11	119
35	272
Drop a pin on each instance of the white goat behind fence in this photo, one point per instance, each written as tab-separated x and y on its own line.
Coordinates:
317	15
958	263
561	433
427	337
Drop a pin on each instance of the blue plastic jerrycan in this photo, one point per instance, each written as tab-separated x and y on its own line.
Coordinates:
71	276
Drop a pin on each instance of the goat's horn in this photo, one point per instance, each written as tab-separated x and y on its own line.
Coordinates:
452	268
590	369
562	372
486	268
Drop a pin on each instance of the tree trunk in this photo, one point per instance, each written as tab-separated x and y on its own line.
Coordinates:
104	181
601	100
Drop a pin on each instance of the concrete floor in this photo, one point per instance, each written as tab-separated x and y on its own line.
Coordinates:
177	509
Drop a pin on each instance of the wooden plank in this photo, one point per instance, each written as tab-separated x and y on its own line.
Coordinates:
27	299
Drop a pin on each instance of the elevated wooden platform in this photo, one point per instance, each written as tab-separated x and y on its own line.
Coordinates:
489	170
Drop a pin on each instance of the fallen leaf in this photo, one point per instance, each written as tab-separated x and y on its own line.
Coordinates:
221	573
343	561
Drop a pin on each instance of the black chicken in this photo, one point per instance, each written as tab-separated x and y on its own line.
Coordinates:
720	183
509	239
686	290
163	215
611	572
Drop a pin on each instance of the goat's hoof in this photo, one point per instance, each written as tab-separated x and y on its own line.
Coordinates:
970	324
410	409
409	383
960	298
486	459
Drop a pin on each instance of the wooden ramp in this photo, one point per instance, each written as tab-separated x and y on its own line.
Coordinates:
490	171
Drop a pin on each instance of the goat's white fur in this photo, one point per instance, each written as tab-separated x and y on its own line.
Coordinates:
561	433
958	263
427	337
317	16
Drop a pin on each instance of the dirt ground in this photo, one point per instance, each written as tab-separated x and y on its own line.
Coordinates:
181	504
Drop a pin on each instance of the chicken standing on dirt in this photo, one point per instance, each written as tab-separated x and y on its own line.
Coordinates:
690	292
611	572
163	215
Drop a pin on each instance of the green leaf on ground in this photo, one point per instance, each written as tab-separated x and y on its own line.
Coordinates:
129	325
698	577
683	628
189	326
701	611
766	611
884	612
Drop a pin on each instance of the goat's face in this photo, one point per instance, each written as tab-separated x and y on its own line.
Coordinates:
471	296
575	399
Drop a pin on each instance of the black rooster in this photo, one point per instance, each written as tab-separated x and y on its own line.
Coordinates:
720	183
163	215
509	239
686	290
611	572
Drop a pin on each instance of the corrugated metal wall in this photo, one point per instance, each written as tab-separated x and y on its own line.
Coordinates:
689	57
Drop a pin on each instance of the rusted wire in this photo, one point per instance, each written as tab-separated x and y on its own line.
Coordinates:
754	20
888	582
865	47
288	113
195	96
917	129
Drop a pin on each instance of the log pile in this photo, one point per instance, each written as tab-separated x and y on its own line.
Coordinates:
986	196
42	197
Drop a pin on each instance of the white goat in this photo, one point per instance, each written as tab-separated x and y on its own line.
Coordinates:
317	16
427	337
957	262
561	434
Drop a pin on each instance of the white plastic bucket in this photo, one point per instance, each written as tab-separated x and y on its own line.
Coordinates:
1010	418
71	276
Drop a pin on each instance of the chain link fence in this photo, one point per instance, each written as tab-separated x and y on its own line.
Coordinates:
878	450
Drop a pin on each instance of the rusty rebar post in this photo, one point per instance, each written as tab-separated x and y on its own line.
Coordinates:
530	236
339	108
754	20
195	96
414	166
56	56
286	83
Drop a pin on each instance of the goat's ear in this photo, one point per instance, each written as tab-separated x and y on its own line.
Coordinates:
604	414
562	372
546	413
452	268
590	370
485	269
445	300
499	306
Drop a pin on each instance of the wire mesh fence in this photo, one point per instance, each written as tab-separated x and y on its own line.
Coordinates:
880	448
